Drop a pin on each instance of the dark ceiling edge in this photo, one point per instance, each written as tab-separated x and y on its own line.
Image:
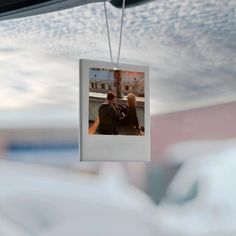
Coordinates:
20	5
44	7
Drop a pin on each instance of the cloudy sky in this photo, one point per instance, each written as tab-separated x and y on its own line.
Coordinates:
190	46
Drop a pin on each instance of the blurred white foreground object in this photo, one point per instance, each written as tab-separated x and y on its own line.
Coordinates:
201	198
54	202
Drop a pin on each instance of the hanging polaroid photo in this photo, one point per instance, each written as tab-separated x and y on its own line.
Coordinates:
114	112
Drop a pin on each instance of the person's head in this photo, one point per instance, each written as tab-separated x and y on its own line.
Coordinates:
111	97
131	100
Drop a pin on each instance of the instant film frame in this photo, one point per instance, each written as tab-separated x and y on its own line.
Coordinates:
97	147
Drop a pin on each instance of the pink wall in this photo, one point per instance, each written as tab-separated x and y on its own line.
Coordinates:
214	122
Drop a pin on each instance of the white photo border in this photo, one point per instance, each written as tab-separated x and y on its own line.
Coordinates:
111	147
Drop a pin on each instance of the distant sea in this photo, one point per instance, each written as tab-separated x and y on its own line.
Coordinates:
66	155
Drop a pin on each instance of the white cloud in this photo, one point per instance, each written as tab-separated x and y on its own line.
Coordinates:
31	79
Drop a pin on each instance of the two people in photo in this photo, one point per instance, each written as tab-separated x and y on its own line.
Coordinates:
113	115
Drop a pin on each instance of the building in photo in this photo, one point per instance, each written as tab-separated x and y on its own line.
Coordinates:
102	81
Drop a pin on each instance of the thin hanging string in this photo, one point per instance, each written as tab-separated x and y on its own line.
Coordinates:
121	32
108	31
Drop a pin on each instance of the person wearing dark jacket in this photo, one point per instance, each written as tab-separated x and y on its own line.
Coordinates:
109	116
130	112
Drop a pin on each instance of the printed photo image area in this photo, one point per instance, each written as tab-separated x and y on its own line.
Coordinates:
116	102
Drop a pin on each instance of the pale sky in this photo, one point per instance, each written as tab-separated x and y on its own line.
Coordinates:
190	47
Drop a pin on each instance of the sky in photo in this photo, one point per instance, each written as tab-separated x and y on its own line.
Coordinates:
190	46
